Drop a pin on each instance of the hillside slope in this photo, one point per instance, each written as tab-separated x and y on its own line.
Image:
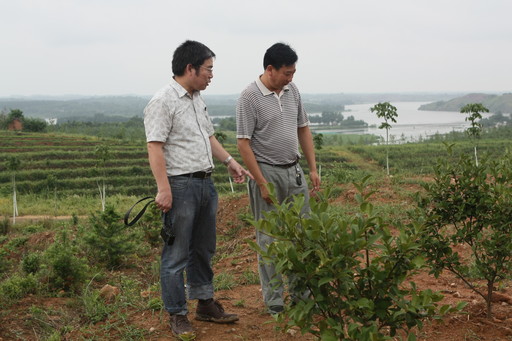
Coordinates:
495	103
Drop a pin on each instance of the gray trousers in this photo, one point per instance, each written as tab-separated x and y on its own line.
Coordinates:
285	184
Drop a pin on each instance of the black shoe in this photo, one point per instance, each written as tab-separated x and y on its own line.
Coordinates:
180	326
212	311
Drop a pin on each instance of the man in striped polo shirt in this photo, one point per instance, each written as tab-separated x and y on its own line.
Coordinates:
271	123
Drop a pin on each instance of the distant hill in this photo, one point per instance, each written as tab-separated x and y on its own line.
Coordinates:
495	103
78	109
121	108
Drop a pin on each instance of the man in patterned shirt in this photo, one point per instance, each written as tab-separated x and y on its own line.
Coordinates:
271	123
181	147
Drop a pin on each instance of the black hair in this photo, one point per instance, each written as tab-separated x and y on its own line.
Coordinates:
279	55
190	52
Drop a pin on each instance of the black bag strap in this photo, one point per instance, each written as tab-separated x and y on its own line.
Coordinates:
139	215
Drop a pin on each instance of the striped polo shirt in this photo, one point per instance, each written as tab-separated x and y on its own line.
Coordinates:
271	121
180	121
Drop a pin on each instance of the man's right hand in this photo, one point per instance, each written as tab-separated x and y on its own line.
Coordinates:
163	200
265	194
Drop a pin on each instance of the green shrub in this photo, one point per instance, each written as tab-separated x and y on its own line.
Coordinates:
31	263
470	204
353	268
5	263
338	173
18	286
16	242
151	224
108	239
66	269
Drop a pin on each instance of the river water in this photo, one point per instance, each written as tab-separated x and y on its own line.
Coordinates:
411	124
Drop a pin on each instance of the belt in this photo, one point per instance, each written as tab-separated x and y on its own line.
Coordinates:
288	165
200	175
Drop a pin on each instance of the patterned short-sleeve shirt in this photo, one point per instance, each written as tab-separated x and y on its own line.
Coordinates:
180	121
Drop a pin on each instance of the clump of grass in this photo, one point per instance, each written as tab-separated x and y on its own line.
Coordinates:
224	281
239	303
249	277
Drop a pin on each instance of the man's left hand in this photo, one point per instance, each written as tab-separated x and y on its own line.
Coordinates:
315	180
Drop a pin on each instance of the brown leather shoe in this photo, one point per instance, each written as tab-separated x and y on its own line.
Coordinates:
212	311
180	326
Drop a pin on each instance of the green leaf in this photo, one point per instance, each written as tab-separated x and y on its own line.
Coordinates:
419	261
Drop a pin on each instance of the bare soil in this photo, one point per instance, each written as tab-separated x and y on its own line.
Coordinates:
246	301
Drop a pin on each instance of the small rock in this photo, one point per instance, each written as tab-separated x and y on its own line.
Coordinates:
292	332
457	294
152	329
109	292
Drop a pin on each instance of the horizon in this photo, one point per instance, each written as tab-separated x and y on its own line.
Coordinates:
411	93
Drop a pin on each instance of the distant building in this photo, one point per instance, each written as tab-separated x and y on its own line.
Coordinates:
51	121
15	125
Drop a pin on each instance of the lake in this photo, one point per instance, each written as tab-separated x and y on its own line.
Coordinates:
411	123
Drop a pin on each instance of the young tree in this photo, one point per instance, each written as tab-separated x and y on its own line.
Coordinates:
109	240
16	114
354	269
318	140
473	110
102	155
470	205
13	164
388	113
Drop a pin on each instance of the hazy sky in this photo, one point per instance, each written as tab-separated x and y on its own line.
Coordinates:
117	47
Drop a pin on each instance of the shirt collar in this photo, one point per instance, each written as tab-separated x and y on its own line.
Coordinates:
264	90
179	89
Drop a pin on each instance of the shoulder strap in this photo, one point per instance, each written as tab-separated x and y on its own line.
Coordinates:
139	215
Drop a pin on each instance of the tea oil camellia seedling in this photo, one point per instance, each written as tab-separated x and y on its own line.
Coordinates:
353	268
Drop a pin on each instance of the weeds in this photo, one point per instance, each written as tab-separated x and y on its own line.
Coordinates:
249	277
224	281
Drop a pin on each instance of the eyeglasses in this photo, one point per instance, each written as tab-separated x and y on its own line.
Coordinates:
209	69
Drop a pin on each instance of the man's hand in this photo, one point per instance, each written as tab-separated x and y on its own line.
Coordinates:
265	194
315	180
238	172
163	200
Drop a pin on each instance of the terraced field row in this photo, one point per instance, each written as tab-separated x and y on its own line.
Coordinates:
71	165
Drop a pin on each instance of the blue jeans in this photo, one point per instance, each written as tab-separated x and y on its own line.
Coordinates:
193	218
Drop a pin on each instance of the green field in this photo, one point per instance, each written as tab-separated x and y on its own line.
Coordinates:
59	169
51	270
